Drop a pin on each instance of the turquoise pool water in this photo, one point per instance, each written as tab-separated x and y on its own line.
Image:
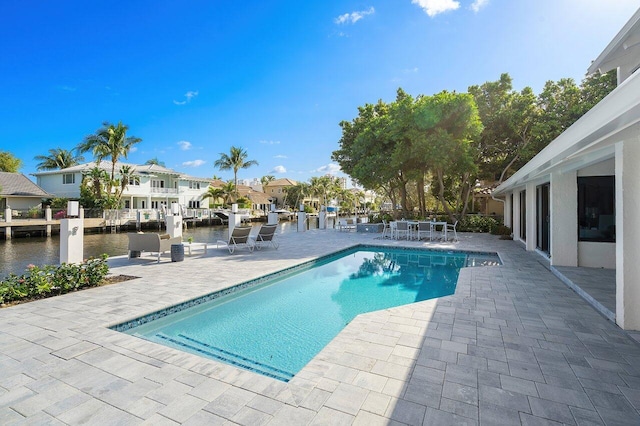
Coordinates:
277	326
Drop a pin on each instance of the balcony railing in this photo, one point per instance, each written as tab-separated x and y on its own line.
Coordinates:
164	190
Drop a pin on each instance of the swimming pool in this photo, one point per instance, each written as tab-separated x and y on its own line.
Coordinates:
275	325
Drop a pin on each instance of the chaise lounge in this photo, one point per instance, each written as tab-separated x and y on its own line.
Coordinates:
153	243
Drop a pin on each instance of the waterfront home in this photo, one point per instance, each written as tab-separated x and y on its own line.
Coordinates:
576	202
151	186
276	189
19	192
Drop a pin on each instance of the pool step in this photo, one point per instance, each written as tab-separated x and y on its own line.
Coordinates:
227	357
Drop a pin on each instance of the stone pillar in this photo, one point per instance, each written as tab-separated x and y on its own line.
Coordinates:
627	158
71	240
531	217
48	217
564	218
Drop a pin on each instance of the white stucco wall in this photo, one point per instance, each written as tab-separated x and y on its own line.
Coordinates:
628	234
564	219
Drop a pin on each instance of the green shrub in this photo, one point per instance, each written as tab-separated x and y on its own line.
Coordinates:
476	223
49	280
501	230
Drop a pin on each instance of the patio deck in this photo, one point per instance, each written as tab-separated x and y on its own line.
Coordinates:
513	345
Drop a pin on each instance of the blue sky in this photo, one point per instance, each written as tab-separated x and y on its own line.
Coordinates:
193	78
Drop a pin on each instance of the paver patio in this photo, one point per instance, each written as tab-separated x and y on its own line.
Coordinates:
513	345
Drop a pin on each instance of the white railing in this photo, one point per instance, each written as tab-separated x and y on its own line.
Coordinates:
164	190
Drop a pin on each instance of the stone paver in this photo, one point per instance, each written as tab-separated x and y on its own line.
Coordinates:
513	345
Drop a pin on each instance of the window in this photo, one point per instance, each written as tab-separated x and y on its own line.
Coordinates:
194	185
596	209
194	204
157	184
68	178
134	181
154	205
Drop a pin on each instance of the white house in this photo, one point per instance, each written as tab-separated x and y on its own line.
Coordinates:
578	201
151	187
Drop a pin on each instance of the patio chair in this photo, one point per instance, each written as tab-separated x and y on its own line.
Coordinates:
239	237
450	228
402	228
424	229
386	229
266	235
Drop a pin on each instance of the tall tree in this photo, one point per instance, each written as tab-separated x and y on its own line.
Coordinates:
110	141
58	158
235	160
215	193
9	163
265	180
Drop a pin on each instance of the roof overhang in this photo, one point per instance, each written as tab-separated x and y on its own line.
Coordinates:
622	52
590	139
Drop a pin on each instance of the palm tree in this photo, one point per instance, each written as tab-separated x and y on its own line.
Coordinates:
236	160
297	192
155	161
265	180
110	141
58	158
228	189
215	193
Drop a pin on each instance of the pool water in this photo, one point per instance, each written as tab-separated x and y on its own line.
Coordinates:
275	328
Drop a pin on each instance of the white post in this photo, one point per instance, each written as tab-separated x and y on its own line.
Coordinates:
508	208
272	218
302	219
48	217
322	218
174	226
531	217
234	218
7	218
71	240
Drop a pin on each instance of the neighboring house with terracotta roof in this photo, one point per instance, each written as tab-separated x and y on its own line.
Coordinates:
152	186
276	190
19	192
259	200
484	202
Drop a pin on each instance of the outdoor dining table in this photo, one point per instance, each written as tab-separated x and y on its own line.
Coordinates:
434	226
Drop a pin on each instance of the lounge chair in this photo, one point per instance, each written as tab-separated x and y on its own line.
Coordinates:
239	236
154	243
347	225
266	235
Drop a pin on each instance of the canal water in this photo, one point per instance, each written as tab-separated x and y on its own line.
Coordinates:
17	253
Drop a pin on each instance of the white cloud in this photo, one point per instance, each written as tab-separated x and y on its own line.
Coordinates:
434	7
410	70
478	4
194	163
67	88
184	145
353	17
329	168
133	149
270	142
279	169
280	156
188	96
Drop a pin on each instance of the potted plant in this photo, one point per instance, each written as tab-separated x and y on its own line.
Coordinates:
189	240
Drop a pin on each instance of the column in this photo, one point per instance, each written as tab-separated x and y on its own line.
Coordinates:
627	158
516	216
71	240
507	211
564	218
531	217
7	218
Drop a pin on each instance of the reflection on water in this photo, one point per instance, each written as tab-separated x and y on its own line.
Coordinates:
17	253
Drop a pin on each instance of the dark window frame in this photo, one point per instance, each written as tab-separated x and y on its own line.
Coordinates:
596	209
